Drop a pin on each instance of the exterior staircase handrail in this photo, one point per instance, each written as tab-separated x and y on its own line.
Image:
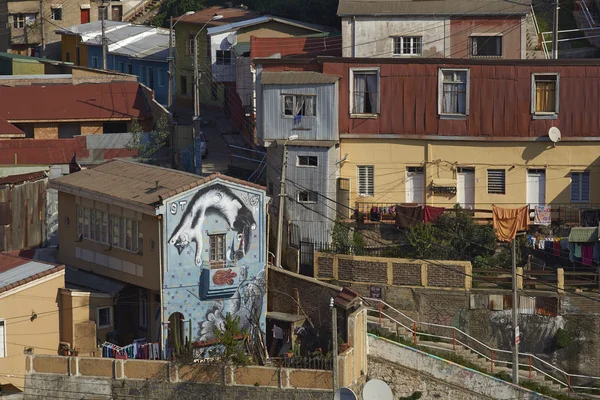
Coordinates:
412	327
131	13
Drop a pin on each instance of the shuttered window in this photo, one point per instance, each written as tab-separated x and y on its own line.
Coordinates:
496	181
580	187
366	186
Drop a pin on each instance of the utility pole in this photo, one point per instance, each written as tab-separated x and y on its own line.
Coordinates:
281	207
515	316
170	59
555	31
42	26
335	344
104	60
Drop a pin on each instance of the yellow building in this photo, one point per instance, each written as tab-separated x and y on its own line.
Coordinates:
29	315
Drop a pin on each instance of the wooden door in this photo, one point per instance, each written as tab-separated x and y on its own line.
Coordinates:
117	13
85	15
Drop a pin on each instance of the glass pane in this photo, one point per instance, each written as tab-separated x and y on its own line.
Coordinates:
86	223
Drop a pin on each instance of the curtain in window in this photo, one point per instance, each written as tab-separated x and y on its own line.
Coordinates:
371	106
309	106
545	97
455	93
299	105
360	85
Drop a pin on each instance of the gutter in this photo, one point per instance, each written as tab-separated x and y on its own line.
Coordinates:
433	138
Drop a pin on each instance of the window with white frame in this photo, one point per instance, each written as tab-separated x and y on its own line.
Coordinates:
365	182
217	250
408	45
544	94
307	161
307	196
580	187
143	309
496	181
18	20
299	105
56	13
104	317
2	338
113	230
223	57
454	92
486	46
364	91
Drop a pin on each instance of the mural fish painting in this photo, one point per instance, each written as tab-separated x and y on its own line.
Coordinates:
220	200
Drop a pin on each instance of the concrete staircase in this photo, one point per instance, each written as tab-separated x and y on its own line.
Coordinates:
533	49
146	10
482	363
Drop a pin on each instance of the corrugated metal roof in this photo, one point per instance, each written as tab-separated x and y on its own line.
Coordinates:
118	35
90	281
6	128
91	27
433	7
583	235
155	45
134	182
230	15
261	20
95	101
15	179
297	78
41	152
15	271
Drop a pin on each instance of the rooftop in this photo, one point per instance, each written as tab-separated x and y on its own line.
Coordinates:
6	128
433	7
296	78
134	185
22	178
90	101
296	46
91	27
16	271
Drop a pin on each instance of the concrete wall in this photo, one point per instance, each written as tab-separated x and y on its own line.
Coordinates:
461	29
431	368
393	271
137	269
391	157
41	333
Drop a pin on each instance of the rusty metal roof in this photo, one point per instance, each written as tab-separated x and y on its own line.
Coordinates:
346	298
230	15
434	7
21	178
297	78
6	128
135	183
94	101
16	271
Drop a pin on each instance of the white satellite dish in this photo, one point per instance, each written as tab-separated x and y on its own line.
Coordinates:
232	38
345	394
377	389
554	134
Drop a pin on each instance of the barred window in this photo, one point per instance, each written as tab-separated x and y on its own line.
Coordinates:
496	181
365	180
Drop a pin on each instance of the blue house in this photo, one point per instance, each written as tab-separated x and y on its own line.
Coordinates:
214	260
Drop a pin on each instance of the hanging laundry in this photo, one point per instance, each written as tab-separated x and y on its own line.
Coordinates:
590	218
542	215
587	251
557	247
507	222
577	252
375	214
407	216
432	214
572	252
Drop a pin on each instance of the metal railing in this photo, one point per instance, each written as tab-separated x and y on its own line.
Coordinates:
455	337
539	33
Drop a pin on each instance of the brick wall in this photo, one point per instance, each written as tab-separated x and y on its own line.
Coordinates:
325	265
362	271
45	131
446	275
407	274
286	290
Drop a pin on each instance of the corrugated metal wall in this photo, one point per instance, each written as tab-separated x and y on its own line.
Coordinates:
275	126
27	221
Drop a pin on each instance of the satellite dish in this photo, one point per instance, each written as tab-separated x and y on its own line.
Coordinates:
377	389
344	394
232	38
554	134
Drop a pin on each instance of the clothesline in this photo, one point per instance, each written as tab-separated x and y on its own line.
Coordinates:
139	349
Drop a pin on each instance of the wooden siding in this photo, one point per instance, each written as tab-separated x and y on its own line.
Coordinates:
500	100
276	126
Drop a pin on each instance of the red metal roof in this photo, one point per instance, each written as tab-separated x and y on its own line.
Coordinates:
6	128
96	101
41	152
28	271
15	179
295	46
230	15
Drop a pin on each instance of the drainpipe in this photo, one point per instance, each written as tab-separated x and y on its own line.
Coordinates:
353	36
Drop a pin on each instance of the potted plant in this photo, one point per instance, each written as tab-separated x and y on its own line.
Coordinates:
342	345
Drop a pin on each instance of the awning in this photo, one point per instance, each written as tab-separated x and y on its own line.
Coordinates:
444	186
583	235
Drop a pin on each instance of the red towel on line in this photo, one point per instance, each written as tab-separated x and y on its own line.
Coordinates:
557	248
432	214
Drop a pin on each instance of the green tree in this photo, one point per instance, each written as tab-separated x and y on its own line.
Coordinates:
340	237
175	8
230	349
149	147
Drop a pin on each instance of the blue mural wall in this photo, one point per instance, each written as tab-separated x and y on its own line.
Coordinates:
206	291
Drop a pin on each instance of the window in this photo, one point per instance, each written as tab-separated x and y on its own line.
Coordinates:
18	20
407	45
365	180
307	197
496	181
454	92
190	45
161	77
142	75
150	77
116	231
56	14
307	161
217	250
294	105
223	57
183	85
143	309
130	69
364	90
486	46
94	62
104	317
2	339
544	94
580	187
